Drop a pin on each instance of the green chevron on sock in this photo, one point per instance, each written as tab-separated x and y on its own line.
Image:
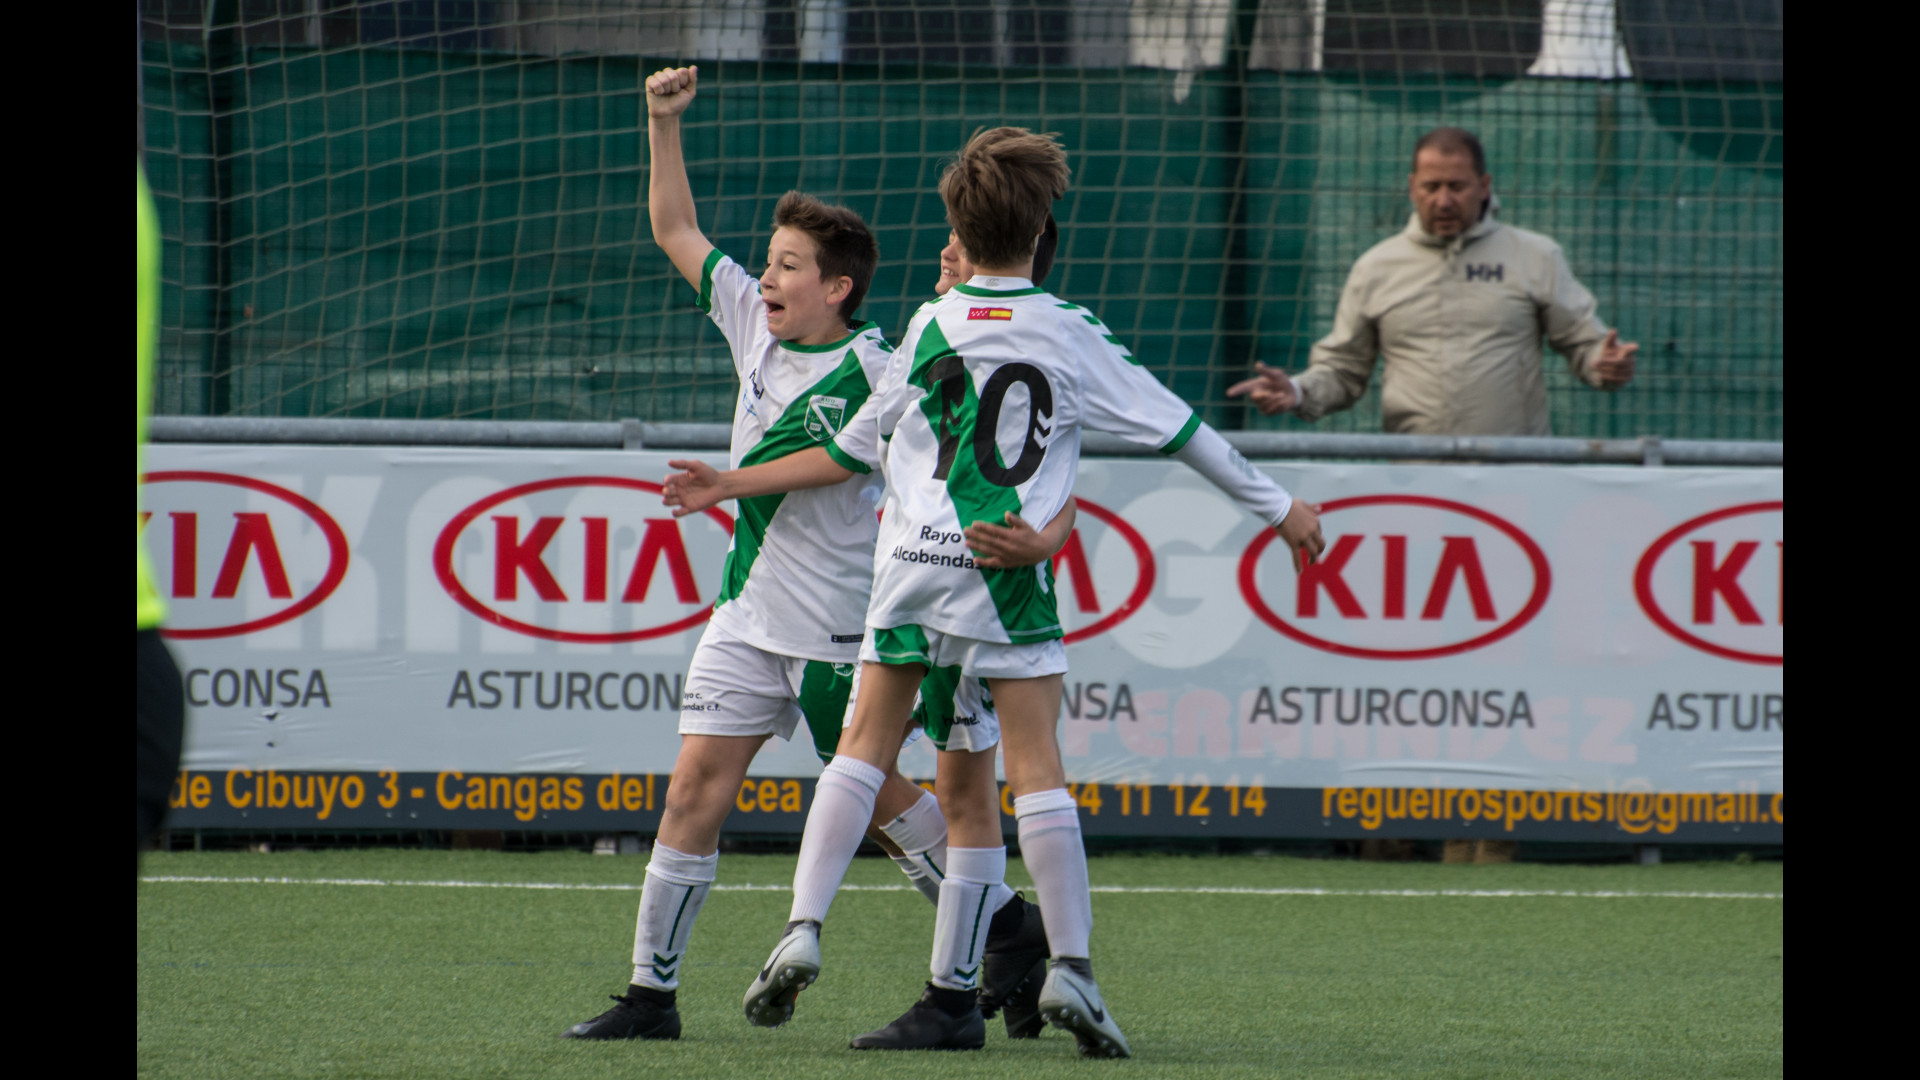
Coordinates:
663	966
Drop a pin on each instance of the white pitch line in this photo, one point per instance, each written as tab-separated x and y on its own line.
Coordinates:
1585	894
1189	890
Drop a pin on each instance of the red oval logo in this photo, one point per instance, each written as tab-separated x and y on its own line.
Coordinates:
1090	581
567	564
1404	577
258	562
1729	586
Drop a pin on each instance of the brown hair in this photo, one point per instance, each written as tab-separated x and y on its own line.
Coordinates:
1452	140
999	192
844	246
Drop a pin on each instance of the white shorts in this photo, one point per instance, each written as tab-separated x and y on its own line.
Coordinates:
962	719
734	688
912	644
964	665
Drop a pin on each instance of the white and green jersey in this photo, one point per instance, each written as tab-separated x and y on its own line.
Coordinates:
798	571
980	413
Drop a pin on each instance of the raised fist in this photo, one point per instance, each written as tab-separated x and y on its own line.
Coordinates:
671	90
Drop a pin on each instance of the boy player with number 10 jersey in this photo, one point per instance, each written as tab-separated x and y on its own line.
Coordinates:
981	413
782	641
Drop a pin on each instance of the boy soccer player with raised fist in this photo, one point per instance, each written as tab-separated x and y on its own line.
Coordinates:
782	641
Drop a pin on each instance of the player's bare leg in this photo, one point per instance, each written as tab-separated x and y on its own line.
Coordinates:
844	805
706	780
1049	824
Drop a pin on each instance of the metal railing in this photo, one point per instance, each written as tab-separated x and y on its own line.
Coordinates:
1263	445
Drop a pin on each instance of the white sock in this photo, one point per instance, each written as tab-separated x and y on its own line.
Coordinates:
921	833
1050	843
923	882
966	910
842	809
677	884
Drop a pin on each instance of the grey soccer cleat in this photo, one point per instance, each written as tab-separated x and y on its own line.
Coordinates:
1071	1002
794	965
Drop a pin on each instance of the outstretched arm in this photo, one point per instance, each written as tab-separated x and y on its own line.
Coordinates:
998	547
1213	457
1125	399
701	486
669	198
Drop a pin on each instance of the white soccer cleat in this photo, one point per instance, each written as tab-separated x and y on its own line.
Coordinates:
794	965
1072	1003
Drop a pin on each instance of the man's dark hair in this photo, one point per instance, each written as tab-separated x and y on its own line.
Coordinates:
999	192
844	246
1453	140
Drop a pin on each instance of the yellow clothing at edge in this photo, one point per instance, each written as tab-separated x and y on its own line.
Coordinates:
149	608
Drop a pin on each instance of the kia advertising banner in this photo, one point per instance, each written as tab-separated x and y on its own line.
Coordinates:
455	638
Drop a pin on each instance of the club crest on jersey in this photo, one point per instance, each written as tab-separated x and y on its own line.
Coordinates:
990	313
824	416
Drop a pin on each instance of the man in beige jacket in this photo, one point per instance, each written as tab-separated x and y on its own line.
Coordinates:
1457	304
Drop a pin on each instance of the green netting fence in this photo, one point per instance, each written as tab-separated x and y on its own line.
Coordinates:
437	209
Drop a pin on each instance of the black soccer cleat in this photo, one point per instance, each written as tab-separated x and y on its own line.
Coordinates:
1021	1009
941	1020
1016	945
642	1013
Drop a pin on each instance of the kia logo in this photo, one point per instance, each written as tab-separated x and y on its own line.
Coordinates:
1723	591
256	552
1404	577
578	560
1071	565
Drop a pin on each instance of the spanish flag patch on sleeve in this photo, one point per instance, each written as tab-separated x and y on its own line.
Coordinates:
990	313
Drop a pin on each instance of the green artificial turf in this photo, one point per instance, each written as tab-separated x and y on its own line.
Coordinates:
259	980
